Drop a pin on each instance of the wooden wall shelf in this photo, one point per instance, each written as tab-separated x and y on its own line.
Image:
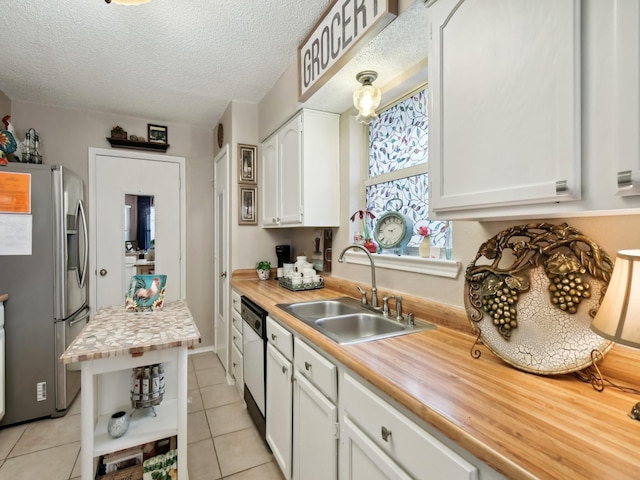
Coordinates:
122	143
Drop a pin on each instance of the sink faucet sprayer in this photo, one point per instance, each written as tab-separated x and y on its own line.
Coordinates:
374	290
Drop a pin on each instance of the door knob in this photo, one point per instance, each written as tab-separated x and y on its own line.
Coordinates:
103	272
223	274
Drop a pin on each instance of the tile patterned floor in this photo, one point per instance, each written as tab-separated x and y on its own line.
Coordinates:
223	442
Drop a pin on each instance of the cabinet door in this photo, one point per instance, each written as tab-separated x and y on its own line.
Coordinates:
627	96
361	459
237	368
505	105
290	173
315	424
279	408
270	184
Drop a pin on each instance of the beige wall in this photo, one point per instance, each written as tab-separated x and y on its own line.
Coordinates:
250	244
67	134
5	106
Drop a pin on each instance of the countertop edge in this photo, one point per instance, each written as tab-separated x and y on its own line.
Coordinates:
137	332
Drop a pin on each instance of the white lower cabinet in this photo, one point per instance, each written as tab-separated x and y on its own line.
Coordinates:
313	434
236	369
279	408
360	458
377	441
315	418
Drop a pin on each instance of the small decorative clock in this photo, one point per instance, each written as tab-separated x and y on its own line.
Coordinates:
393	231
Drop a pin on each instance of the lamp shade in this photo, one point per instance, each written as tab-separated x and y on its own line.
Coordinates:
618	318
367	97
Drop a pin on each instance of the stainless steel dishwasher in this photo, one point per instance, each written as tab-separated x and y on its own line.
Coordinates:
254	340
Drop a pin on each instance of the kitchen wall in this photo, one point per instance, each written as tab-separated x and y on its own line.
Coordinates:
67	134
5	106
611	232
249	243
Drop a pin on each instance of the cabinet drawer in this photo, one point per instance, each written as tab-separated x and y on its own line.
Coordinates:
236	367
415	450
236	338
320	371
235	301
280	338
236	320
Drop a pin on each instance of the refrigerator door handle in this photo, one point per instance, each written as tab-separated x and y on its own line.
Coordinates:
82	314
81	217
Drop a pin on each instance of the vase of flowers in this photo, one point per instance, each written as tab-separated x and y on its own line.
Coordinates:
425	245
263	268
369	244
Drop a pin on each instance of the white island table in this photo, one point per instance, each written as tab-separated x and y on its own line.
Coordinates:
112	344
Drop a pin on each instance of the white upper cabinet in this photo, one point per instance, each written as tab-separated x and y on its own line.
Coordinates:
505	109
627	95
300	164
534	108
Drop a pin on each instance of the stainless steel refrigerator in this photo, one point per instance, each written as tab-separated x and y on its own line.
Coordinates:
43	268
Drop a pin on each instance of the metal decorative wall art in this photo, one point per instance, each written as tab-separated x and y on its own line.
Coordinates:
531	292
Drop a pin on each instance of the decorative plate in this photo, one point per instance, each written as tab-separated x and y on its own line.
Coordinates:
532	291
146	292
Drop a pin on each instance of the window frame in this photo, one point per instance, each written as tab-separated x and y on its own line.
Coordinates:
408	263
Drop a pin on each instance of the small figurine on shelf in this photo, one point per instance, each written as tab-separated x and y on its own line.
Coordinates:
118	132
10	149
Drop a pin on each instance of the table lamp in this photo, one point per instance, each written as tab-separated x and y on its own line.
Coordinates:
618	318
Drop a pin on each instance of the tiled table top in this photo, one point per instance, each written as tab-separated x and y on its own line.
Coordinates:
114	332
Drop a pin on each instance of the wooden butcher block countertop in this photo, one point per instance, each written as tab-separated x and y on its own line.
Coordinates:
522	425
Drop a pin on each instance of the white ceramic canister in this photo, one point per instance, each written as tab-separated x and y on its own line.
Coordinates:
302	263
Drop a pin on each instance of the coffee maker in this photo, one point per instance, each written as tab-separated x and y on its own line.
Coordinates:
283	252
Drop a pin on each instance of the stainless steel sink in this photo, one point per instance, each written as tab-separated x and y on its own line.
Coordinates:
346	321
322	308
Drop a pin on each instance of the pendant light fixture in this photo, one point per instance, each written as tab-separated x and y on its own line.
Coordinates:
367	96
127	2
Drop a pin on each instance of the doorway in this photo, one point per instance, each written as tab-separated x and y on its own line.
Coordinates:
115	178
221	255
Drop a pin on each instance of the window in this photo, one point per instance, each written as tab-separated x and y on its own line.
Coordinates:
398	166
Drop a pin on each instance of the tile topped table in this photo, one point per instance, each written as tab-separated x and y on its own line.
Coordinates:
112	344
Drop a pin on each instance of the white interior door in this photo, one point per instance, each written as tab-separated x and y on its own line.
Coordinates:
221	256
112	175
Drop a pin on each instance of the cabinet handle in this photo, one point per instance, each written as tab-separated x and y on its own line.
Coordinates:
234	337
234	364
307	366
284	369
273	337
624	179
386	433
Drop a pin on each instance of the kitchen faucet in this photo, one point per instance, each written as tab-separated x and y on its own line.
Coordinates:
374	290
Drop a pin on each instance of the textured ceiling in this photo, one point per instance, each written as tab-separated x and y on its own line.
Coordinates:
180	61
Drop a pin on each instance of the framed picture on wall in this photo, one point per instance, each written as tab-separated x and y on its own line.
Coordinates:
157	133
247	164
248	208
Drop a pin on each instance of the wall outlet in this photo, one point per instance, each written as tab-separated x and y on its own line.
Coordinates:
41	391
